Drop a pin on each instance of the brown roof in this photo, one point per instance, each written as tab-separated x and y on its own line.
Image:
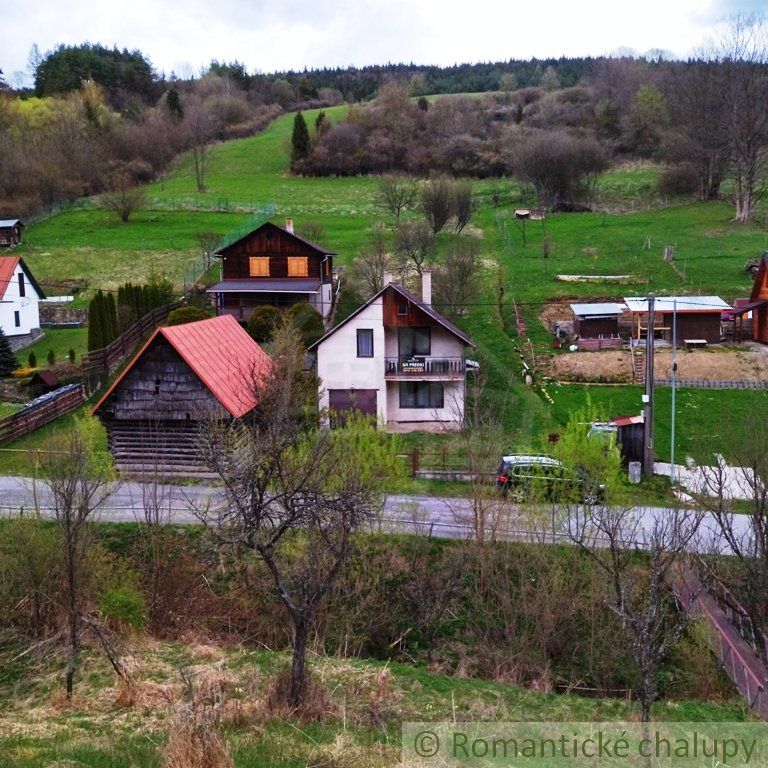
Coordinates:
223	356
308	243
8	266
426	308
267	284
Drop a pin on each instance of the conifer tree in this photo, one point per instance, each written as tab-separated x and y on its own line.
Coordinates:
111	311
299	139
8	361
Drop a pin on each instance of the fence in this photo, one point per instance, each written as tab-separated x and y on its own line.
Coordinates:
41	411
603	342
708	384
99	364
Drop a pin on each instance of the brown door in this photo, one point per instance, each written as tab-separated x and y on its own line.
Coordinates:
343	401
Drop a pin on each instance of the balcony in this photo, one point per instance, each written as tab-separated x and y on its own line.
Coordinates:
424	367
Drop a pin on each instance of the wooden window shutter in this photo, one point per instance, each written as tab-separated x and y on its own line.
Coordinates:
298	266
259	266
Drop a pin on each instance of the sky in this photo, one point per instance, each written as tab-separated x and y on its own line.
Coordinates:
274	35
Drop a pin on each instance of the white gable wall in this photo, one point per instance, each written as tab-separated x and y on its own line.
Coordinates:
339	367
27	306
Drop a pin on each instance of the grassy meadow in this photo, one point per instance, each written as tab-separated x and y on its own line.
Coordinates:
628	238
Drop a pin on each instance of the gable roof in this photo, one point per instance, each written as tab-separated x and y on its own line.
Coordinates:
697	304
314	246
8	266
406	294
10	223
606	309
760	279
222	355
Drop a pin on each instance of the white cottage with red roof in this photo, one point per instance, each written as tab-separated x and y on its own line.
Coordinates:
20	297
397	359
183	375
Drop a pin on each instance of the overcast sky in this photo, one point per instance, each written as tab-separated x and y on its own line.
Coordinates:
270	35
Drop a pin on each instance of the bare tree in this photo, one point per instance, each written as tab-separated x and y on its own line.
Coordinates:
639	591
198	129
415	242
463	203
372	263
124	198
79	483
742	52
207	241
396	194
436	199
457	280
294	494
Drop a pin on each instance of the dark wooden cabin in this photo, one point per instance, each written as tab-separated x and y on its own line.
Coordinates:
699	318
757	305
273	265
591	321
10	232
183	375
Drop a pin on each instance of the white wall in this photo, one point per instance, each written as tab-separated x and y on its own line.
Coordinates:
449	417
339	367
442	344
27	307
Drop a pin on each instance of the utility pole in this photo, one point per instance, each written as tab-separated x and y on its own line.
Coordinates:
674	390
648	456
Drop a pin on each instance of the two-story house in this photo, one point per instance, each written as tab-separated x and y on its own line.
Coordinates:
398	359
273	265
20	297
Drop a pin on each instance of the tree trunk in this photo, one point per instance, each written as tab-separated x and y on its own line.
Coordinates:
299	663
72	658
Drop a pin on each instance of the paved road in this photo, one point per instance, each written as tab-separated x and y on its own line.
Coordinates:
423	515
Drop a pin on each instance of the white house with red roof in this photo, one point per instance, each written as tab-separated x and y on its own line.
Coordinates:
20	296
182	376
398	359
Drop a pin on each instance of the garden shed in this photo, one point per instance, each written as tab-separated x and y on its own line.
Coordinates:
699	318
591	321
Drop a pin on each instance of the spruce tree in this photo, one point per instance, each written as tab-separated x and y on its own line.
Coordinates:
8	361
94	324
111	310
299	139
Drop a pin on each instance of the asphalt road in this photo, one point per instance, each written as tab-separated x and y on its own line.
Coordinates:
422	515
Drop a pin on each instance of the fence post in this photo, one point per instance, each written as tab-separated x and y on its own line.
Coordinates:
414	462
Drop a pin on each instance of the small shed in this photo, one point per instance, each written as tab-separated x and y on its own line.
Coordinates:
757	306
630	435
698	317
590	321
43	382
10	232
183	375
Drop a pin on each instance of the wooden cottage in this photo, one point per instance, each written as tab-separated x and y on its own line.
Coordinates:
757	306
183	375
699	318
10	232
273	265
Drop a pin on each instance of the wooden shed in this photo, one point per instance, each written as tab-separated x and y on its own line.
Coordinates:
699	318
10	232
591	321
183	375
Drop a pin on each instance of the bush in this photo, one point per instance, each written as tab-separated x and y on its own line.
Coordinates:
71	354
184	315
307	320
263	322
32	360
679	180
51	357
123	606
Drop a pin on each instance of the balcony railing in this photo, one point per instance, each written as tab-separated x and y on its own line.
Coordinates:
424	366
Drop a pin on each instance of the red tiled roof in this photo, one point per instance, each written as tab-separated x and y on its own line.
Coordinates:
220	352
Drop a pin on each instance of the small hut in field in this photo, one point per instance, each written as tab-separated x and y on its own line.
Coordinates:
182	376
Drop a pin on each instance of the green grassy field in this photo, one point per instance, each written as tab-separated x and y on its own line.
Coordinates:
711	251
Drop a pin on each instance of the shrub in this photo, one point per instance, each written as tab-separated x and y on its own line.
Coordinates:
263	322
8	361
679	180
307	320
51	357
71	354
123	606
32	360
184	315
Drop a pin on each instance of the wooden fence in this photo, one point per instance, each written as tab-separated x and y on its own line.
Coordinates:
100	364
41	411
602	342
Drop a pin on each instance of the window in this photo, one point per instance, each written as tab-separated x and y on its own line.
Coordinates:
298	266
421	394
413	341
402	309
259	266
22	286
364	342
157	386
17	319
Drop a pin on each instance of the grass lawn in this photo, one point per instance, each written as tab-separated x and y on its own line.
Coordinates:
60	340
37	730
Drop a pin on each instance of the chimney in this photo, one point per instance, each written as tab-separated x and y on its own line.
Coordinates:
386	278
289	225
426	287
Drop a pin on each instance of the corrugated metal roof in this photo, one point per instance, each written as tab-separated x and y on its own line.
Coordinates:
223	356
684	304
592	310
433	313
10	222
626	421
267	284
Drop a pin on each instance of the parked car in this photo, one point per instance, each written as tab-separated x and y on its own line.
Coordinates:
546	478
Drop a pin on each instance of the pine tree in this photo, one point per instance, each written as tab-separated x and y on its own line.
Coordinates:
299	139
8	361
32	360
94	324
111	310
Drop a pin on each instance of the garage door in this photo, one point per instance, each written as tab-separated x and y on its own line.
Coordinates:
343	401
